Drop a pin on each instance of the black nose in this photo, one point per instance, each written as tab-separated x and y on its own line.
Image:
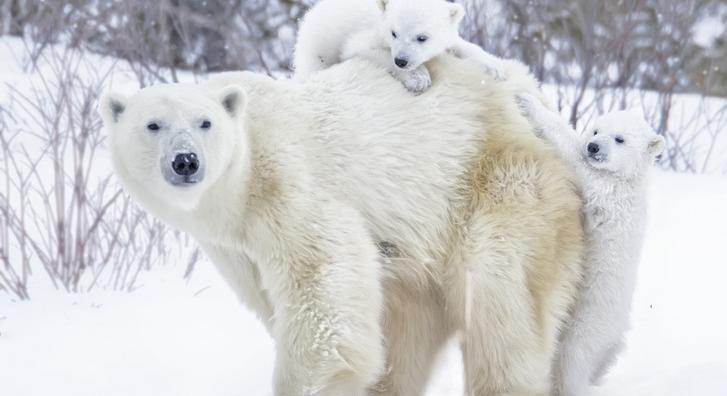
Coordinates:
593	148
401	62
185	164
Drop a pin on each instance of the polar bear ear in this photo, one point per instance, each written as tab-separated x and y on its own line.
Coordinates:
382	4
456	13
233	98
656	146
111	107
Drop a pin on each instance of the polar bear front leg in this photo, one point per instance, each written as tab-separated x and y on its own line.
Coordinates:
323	280
550	126
493	65
243	276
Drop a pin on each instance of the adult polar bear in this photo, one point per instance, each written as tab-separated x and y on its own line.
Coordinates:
293	185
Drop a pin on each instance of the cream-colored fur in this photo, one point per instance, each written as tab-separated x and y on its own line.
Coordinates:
481	215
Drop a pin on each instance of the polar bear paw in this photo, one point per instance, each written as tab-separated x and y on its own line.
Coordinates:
530	106
496	71
533	109
416	81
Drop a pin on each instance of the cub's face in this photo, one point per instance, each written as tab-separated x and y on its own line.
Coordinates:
170	143
621	142
419	30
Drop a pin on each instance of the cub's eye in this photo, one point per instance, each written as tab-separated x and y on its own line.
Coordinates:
393	34
206	124
153	126
422	38
595	132
620	140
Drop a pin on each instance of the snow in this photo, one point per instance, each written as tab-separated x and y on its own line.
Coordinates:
177	337
168	338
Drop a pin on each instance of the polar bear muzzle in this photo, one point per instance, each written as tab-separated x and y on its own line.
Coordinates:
182	162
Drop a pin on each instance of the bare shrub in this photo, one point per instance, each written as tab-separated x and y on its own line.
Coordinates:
160	37
59	207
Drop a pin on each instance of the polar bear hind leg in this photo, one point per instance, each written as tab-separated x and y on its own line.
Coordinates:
415	329
500	344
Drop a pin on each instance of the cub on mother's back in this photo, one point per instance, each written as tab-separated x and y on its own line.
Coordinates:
401	34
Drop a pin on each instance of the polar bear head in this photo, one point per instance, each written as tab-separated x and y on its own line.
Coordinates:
170	143
622	142
419	30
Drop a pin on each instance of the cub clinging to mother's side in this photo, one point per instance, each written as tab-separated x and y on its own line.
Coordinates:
612	160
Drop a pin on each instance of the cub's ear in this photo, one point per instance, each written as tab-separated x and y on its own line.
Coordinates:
456	13
656	146
382	4
233	98
111	107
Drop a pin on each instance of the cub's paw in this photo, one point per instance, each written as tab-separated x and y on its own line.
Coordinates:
529	105
534	110
496	71
416	81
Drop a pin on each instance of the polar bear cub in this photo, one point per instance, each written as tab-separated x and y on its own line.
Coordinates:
412	31
612	161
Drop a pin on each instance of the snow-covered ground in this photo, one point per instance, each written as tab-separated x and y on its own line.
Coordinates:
173	338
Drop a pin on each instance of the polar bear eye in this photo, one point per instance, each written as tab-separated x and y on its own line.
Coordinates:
393	34
620	140
422	38
206	124
595	132
153	126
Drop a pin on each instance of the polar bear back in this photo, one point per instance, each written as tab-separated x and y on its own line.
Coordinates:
453	179
403	160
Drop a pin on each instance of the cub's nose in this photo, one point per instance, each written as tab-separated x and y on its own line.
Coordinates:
401	62
185	164
593	148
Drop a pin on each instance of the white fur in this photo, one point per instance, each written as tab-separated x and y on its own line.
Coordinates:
614	189
336	30
304	180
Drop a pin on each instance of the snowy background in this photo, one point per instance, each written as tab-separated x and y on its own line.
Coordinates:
98	298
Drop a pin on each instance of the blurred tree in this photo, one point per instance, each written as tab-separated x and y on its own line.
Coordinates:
708	54
620	44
